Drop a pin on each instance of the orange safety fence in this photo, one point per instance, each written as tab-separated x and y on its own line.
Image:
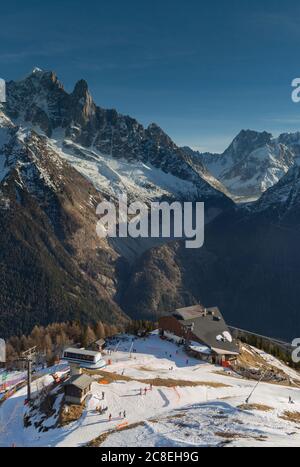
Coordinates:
103	381
122	425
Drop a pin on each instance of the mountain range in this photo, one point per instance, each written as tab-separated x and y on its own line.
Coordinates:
254	162
61	154
249	265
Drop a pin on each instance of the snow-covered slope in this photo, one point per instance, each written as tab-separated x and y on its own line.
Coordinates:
282	200
6	133
116	176
253	162
292	141
191	404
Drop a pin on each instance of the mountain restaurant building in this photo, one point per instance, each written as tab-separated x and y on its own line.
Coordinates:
203	332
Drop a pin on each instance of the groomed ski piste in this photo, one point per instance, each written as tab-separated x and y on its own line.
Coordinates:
169	400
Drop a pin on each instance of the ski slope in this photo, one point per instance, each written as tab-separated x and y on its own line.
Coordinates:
200	407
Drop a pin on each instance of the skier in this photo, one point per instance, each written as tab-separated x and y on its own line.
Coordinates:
124	414
110	417
103	395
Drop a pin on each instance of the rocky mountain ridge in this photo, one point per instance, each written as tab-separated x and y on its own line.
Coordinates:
254	162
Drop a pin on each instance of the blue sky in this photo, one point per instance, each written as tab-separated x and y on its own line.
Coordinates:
202	70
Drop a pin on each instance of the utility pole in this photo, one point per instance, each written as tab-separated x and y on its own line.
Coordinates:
29	369
28	357
131	349
255	387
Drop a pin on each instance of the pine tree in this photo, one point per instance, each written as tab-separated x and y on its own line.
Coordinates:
88	336
99	330
48	346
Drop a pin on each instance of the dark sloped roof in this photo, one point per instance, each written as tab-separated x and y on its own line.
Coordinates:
209	327
190	312
81	381
100	342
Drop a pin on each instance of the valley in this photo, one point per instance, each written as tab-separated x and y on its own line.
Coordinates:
61	155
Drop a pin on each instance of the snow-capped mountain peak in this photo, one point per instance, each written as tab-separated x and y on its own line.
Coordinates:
93	139
283	198
245	143
254	162
37	70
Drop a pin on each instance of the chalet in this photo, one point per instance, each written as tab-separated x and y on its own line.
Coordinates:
77	388
203	331
99	345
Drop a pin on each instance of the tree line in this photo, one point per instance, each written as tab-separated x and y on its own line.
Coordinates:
52	339
270	348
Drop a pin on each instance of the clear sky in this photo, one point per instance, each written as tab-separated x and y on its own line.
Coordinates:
202	70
